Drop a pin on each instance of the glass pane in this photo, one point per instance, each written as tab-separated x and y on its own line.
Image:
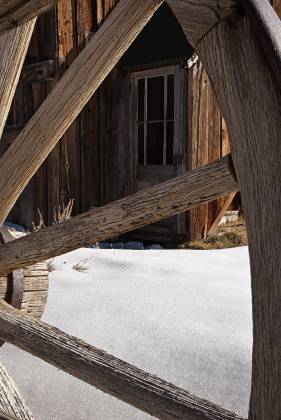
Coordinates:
154	145
141	144
141	94
170	142
155	98
170	96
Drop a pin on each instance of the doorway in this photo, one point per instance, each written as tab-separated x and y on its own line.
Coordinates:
159	98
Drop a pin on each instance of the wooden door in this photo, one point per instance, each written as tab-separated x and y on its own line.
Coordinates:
159	98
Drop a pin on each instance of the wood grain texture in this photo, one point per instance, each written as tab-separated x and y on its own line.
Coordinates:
69	96
107	373
13	48
12	405
199	17
35	284
251	105
27	100
267	28
15	12
143	208
204	141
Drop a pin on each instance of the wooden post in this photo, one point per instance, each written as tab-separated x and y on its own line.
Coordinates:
138	210
12	405
69	96
107	373
13	48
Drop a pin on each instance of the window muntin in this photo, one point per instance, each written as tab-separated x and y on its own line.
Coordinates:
155	118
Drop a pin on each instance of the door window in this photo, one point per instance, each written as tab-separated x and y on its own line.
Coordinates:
155	116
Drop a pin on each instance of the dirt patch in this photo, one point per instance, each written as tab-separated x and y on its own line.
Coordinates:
229	235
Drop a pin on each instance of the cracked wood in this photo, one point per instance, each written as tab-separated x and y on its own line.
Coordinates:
143	208
105	372
249	96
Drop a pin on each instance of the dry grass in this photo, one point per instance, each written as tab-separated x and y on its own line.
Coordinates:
230	235
61	214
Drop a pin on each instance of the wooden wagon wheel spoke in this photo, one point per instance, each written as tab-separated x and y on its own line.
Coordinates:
247	87
266	25
249	97
107	373
148	206
15	12
13	48
12	405
69	96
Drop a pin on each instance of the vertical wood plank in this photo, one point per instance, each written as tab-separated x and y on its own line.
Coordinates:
205	144
65	156
214	150
89	17
44	45
198	129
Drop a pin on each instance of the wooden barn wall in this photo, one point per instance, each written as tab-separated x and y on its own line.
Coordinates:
28	98
206	142
86	171
73	168
88	164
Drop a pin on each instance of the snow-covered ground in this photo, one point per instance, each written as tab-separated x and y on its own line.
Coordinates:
182	315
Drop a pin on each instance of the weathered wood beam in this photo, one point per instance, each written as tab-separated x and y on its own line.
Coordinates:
199	17
12	405
69	96
15	12
267	28
143	208
105	372
13	48
250	100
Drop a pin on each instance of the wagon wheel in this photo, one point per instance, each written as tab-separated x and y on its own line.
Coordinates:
25	289
224	39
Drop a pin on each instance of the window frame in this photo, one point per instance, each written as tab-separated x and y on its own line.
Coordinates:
164	71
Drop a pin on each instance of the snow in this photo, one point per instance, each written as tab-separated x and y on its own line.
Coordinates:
180	314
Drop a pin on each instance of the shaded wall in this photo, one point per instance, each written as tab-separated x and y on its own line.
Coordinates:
94	161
